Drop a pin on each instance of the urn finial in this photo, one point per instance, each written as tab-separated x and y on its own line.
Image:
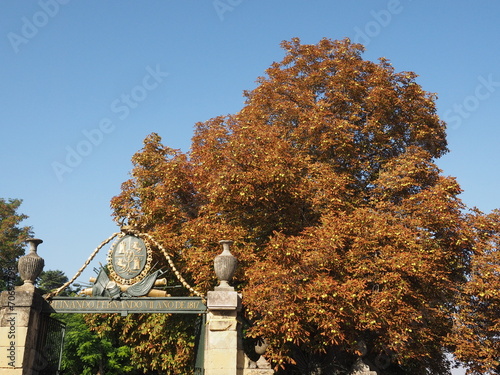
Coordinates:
225	265
31	265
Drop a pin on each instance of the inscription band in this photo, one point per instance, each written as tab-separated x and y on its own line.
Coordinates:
103	305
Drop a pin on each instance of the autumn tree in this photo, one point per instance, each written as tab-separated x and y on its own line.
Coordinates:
351	241
12	237
477	326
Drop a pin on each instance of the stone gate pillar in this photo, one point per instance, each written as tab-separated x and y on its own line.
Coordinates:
224	353
223	349
20	317
21	309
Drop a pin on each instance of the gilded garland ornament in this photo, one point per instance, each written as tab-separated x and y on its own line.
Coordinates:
129	260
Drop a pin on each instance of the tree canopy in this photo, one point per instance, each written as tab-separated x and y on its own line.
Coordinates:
351	241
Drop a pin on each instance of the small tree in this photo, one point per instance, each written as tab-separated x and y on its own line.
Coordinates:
50	280
12	237
87	353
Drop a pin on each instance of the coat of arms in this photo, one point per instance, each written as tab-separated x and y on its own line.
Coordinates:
129	260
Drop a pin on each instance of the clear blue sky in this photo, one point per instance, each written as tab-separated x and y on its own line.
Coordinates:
83	82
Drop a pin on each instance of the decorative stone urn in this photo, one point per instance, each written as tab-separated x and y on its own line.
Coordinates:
225	265
261	366
261	346
31	265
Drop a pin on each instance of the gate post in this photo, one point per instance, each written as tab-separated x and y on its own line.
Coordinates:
223	349
223	352
21	310
20	317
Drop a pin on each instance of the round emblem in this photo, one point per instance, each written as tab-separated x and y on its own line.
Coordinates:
129	260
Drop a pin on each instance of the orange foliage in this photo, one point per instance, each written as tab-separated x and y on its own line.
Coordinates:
345	229
477	330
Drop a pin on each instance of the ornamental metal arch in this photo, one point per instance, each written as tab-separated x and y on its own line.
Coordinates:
127	285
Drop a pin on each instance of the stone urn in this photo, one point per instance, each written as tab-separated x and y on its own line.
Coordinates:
31	265
225	264
261	346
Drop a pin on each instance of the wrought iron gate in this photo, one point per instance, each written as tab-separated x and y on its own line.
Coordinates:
50	345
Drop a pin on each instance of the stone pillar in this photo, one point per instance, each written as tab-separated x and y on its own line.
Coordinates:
224	353
20	317
222	349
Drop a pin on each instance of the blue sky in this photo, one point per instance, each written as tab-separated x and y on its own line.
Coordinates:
83	83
